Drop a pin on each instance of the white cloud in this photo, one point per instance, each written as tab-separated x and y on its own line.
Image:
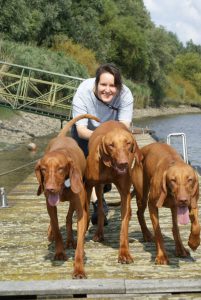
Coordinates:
181	17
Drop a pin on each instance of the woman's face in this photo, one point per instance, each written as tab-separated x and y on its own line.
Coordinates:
106	89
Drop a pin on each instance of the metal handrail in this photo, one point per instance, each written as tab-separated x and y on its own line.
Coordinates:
184	143
40	70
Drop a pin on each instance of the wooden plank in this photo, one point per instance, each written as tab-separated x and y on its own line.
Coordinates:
163	286
62	287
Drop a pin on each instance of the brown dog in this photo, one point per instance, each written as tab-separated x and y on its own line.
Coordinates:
64	159
167	181
112	151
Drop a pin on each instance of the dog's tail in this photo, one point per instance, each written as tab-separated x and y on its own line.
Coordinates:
74	120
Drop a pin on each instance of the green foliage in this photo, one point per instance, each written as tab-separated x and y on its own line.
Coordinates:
197	82
84	26
180	90
141	93
188	65
128	49
84	56
191	47
34	21
42	58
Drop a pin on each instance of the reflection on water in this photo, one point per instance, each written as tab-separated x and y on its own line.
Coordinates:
189	124
17	156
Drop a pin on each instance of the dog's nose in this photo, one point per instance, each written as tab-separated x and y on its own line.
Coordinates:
50	188
53	191
183	202
123	166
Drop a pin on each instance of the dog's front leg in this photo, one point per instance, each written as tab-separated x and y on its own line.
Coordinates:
59	252
99	235
82	219
124	253
194	238
161	257
142	199
181	251
70	242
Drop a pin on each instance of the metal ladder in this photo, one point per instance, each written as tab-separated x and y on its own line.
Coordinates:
184	144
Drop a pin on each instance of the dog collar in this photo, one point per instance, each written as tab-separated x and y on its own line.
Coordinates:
133	163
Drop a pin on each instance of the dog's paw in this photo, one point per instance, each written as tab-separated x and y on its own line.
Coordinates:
182	251
79	274
98	237
71	243
162	260
194	241
60	256
125	257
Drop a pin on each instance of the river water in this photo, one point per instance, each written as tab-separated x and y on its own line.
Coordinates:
190	124
18	162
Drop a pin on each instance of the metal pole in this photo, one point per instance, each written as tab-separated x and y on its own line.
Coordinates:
3	198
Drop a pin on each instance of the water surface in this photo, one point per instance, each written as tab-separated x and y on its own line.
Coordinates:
16	157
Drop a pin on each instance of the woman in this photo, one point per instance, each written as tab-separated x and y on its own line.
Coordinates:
107	98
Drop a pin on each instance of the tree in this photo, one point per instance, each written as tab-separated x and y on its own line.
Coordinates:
191	47
188	64
32	21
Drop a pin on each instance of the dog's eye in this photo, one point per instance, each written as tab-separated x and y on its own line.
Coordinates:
173	180
43	170
111	145
190	180
60	170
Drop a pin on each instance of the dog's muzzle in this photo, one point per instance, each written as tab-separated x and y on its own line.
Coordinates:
121	168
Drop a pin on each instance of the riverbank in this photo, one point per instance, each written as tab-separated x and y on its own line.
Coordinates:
155	112
25	127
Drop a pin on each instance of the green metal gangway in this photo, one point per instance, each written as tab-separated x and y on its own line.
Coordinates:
37	91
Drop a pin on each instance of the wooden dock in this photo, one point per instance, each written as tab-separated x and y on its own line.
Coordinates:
28	269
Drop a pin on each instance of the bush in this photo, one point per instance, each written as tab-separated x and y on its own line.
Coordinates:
180	91
82	55
141	93
41	58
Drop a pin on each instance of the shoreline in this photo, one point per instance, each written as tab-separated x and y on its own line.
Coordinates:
164	111
26	127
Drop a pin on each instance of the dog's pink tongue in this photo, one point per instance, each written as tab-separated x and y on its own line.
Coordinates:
183	215
53	199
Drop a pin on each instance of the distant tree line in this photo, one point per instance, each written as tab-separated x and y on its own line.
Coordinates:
74	37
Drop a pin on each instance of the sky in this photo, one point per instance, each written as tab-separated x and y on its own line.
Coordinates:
182	17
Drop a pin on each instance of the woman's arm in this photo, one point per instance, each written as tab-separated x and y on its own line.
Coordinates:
83	132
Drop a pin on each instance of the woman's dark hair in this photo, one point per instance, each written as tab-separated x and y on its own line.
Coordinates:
112	69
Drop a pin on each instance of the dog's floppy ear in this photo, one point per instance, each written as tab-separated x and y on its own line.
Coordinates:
195	192
103	154
39	177
76	182
163	193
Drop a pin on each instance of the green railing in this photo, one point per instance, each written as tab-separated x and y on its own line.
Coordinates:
37	91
